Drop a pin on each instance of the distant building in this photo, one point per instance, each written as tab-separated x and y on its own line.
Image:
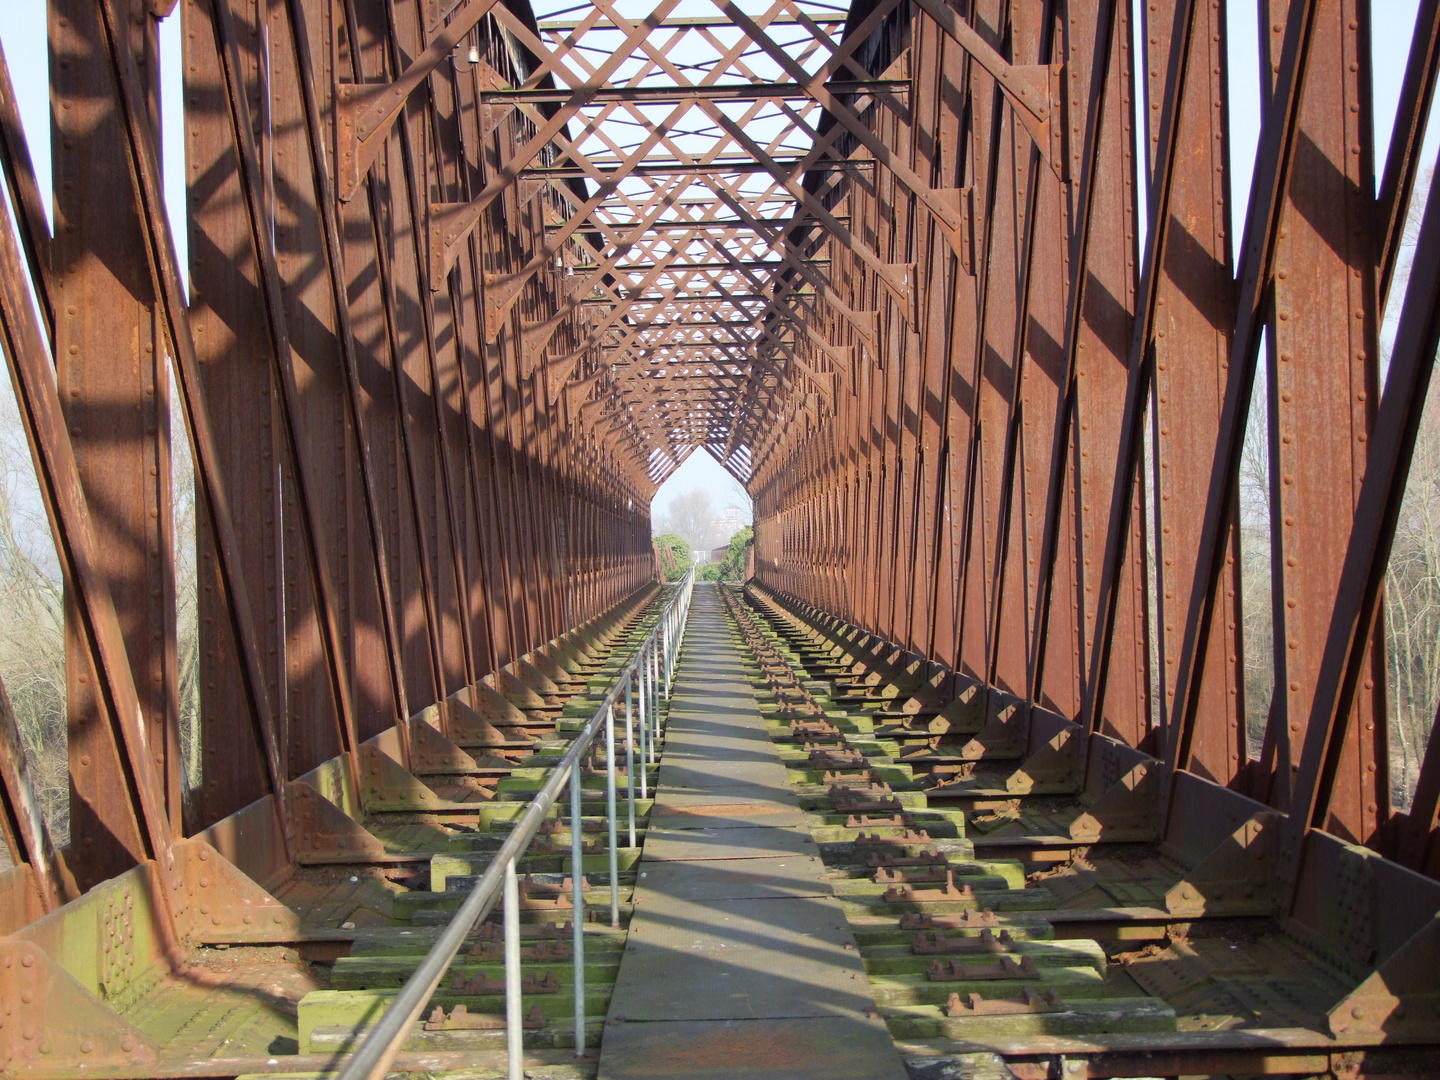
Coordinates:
731	520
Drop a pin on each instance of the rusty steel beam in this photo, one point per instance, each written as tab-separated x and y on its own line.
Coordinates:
137	819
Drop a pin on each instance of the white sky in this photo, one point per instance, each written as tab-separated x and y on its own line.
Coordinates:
700	471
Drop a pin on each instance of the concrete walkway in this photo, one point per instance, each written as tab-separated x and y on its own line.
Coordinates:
739	964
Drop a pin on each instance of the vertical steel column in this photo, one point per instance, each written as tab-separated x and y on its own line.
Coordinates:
115	389
233	333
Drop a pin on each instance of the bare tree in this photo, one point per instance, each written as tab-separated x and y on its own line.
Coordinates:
187	598
1256	567
32	626
740	497
692	515
1412	578
32	619
1412	612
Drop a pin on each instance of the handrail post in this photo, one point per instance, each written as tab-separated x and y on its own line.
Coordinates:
610	814
674	644
644	718
514	1009
655	698
665	645
630	754
577	906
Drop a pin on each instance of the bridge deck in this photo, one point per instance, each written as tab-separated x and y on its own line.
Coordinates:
740	963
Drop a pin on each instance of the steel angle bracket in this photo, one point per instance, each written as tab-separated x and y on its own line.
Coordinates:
1005	734
355	151
451	223
959	229
1237	878
385	784
839	355
447	229
1054	768
1401	999
467	728
53	1022
1005	730
358	140
322	833
535	339
492	115
964	241
431	753
963	714
1128	810
1034	91
900	279
222	905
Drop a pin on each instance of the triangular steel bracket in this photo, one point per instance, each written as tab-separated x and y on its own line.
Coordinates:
385	784
1054	768
1401	1000
321	833
1237	878
1127	810
224	906
53	1022
432	754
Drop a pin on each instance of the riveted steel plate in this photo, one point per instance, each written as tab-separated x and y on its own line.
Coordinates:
829	1048
732	879
742	842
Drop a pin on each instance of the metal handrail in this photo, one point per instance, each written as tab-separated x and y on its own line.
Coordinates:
652	667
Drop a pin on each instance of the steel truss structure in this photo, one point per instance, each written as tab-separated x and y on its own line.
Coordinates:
950	286
1037	485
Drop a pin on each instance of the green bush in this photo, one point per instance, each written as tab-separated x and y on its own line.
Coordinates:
732	567
674	555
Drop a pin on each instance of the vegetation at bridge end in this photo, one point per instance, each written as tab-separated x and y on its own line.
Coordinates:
732	567
674	555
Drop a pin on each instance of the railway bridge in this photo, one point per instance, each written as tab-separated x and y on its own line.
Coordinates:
1071	715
